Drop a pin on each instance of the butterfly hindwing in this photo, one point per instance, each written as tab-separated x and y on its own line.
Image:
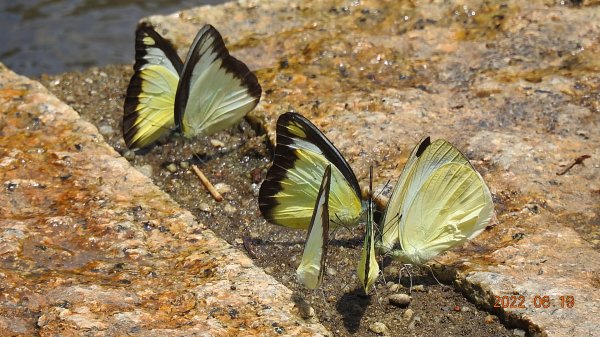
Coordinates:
216	89
148	108
311	268
290	189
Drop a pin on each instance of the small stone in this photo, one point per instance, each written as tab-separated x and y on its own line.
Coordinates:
229	209
408	315
184	165
106	130
171	168
519	333
379	328
129	155
465	309
222	188
413	322
419	287
306	311
399	300
145	170
204	207
216	143
394	287
489	319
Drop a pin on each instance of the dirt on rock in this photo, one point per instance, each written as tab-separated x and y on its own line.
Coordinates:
236	161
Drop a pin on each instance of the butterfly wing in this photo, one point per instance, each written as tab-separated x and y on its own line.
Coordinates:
424	159
216	89
148	108
311	268
452	205
302	153
368	268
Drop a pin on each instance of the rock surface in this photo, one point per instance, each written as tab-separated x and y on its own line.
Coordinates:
513	84
89	246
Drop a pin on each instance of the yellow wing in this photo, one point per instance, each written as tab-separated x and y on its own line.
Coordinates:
424	159
311	268
216	89
368	268
288	194
453	205
148	108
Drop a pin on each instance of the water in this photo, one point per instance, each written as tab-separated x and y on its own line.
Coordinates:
54	36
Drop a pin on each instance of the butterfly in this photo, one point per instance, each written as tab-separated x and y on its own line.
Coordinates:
368	268
311	268
287	196
440	201
210	92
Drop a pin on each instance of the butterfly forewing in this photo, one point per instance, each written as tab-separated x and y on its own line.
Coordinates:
290	189
311	268
148	108
216	89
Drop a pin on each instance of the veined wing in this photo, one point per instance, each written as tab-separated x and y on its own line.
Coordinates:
452	206
216	89
148	108
311	268
424	159
368	268
290	189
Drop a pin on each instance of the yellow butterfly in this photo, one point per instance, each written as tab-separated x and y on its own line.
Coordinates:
210	92
439	201
311	268
368	268
287	196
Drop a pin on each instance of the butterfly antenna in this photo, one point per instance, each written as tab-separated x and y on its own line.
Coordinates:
407	268
433	274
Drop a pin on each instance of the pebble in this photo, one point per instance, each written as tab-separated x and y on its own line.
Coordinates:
229	209
216	143
413	322
419	287
205	207
222	188
105	130
171	168
145	170
129	155
394	287
184	165
489	319
465	309
379	328
519	333
306	312
399	300
408	315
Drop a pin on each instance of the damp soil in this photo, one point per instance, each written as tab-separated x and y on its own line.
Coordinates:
236	161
